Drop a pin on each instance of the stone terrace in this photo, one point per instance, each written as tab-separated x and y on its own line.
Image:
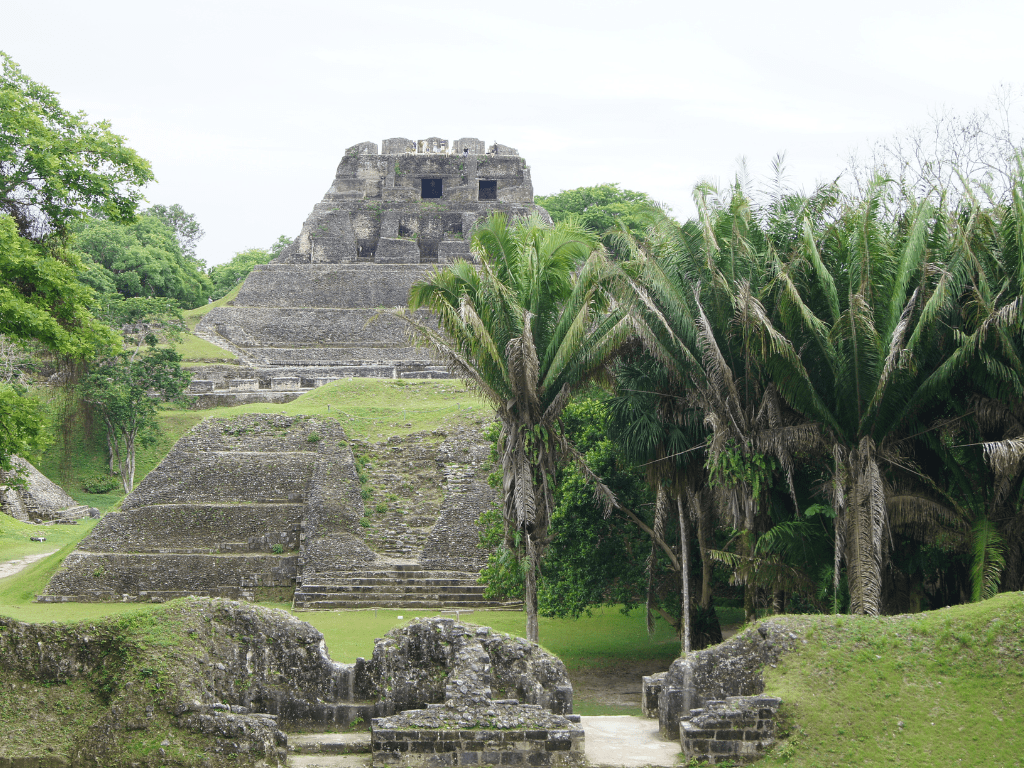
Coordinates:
223	515
272	506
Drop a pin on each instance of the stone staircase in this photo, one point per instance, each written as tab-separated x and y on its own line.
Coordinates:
399	586
329	750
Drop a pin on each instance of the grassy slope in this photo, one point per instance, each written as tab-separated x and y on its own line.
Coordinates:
938	688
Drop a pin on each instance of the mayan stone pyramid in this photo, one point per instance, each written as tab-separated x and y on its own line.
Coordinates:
387	219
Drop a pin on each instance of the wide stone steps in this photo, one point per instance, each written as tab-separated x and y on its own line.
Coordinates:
402	603
368	584
405	586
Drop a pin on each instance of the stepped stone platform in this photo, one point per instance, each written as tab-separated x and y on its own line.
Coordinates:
389	217
272	507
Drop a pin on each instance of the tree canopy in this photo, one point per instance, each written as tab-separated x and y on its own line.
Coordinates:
185	227
56	166
603	208
141	258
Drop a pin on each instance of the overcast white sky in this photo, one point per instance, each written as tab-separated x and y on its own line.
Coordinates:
246	108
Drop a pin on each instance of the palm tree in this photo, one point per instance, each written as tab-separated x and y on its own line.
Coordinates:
526	328
695	295
863	300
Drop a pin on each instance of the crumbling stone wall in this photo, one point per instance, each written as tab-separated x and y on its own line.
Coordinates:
453	544
441	677
738	729
732	668
225	673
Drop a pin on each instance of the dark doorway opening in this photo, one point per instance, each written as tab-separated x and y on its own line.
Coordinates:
428	251
431	189
488	190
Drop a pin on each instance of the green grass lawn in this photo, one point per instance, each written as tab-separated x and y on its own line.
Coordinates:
195	351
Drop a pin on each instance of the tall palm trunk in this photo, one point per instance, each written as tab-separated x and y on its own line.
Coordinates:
860	525
530	591
684	574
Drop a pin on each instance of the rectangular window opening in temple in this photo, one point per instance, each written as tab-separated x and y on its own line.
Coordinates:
431	189
488	190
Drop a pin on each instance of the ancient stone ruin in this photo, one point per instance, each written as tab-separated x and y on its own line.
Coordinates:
468	696
388	218
713	700
226	681
269	506
28	495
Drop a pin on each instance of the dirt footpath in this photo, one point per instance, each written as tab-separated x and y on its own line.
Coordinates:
11	567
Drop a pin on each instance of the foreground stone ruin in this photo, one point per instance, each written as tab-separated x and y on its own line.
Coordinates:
267	506
441	677
388	218
712	701
216	682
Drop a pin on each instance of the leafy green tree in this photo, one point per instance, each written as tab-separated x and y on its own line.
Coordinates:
42	300
602	208
226	276
142	258
124	391
526	330
56	166
185	227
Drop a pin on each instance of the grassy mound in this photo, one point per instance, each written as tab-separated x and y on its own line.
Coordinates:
942	688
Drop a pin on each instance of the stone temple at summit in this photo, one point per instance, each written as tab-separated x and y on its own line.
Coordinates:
388	218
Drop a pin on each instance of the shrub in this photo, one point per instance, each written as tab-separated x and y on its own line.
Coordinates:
100	484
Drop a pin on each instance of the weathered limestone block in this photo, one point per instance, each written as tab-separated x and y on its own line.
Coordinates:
397	251
501	149
738	729
197	386
452	250
363	148
413	666
503	733
651	690
475	146
397	146
244	384
285	382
